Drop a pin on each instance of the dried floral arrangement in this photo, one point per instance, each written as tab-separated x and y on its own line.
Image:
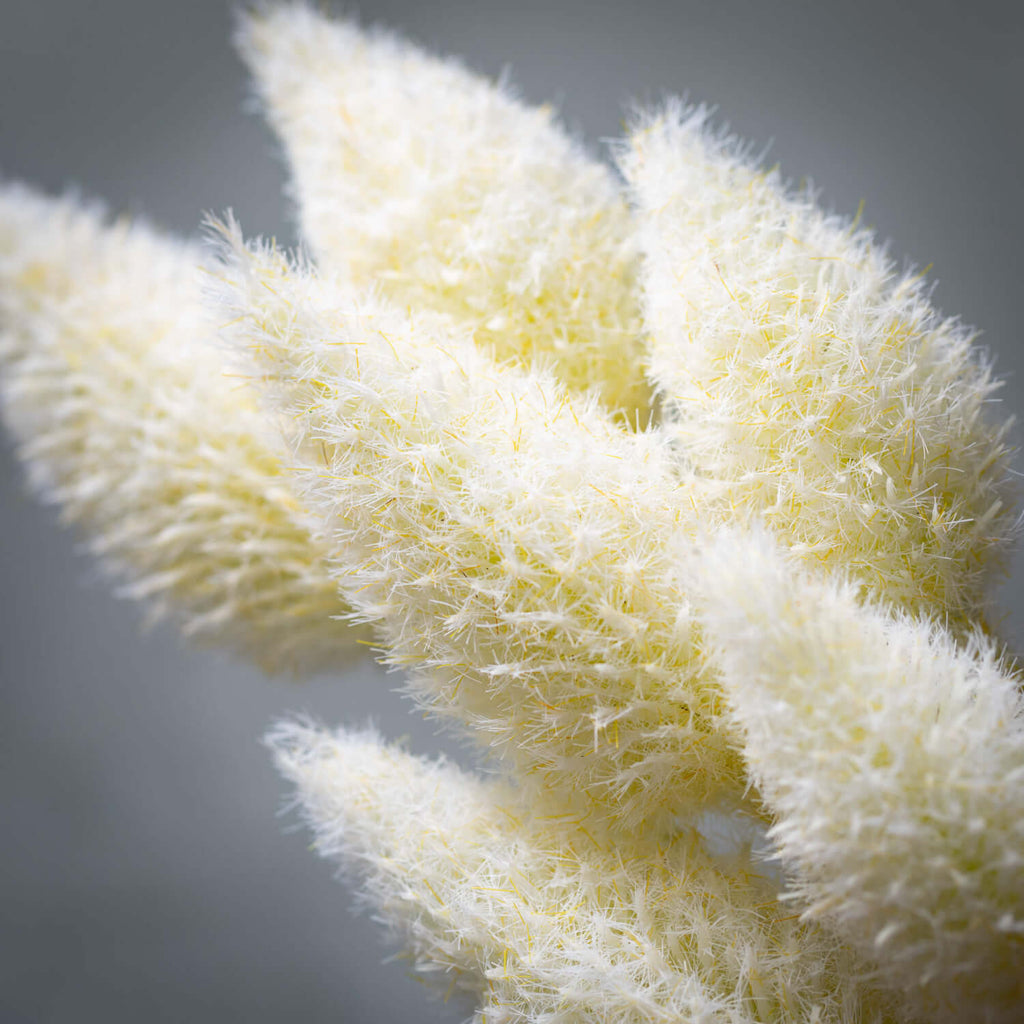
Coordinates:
675	495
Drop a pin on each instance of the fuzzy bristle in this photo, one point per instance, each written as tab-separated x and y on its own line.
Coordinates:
677	499
117	390
518	553
550	928
892	759
448	194
812	385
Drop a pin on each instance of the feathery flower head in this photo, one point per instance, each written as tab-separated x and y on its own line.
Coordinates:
675	497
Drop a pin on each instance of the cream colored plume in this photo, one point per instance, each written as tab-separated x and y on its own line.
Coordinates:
443	191
812	385
753	758
517	551
548	927
127	419
893	762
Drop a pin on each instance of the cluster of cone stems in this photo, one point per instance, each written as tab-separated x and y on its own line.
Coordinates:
668	489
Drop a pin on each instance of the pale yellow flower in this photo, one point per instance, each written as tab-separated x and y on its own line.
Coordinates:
675	498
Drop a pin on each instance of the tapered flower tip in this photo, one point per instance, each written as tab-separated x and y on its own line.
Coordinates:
893	760
811	383
409	832
445	192
546	924
118	393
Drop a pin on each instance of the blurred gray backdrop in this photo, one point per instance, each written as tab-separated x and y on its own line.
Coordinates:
144	872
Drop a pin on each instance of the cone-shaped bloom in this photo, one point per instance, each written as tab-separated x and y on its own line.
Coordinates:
517	550
445	192
127	419
451	384
550	928
811	384
893	760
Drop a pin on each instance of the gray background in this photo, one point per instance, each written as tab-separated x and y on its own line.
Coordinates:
143	873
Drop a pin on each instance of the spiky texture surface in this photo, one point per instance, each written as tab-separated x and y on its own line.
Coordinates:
440	189
893	761
750	629
516	550
812	384
551	926
117	391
